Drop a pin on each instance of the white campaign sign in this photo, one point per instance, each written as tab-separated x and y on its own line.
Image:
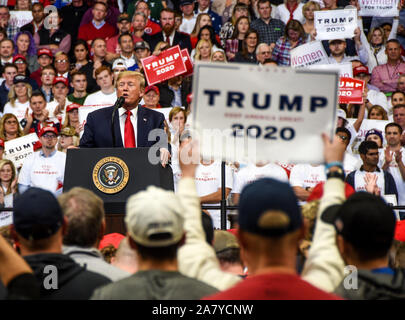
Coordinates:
251	113
311	53
344	69
378	8
85	110
20	18
335	24
367	125
18	149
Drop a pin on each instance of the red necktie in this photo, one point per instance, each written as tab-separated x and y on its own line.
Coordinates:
129	132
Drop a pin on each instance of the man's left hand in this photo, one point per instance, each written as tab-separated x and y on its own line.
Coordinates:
164	156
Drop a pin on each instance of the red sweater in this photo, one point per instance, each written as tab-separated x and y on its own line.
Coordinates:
273	286
89	32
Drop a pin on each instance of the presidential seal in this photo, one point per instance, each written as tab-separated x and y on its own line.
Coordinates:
110	175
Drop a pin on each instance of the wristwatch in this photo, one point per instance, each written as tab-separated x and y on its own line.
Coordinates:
337	173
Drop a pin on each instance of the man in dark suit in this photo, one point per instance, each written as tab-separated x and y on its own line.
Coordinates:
132	123
169	34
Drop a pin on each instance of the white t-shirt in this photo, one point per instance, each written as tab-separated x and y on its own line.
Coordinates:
399	182
187	26
43	172
283	14
252	172
359	183
18	110
100	99
51	106
208	180
351	162
307	176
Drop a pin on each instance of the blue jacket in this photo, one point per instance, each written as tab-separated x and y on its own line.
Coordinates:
97	130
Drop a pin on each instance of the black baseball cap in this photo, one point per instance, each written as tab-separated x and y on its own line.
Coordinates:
37	214
364	220
269	208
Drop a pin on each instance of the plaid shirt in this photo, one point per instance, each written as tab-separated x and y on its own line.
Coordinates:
268	33
281	52
12	31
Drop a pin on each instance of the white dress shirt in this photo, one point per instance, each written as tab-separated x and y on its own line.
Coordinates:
123	118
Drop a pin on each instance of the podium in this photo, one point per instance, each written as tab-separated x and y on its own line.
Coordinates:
114	174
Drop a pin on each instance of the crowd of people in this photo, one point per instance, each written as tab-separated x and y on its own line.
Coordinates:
294	231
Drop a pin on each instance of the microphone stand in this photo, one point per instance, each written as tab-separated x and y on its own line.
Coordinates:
118	104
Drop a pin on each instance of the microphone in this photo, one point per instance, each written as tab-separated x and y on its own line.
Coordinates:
118	104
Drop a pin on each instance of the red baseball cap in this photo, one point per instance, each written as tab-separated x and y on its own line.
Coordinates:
42	51
360	69
189	98
111	238
2	143
61	79
317	193
48	129
154	88
19	56
400	231
72	106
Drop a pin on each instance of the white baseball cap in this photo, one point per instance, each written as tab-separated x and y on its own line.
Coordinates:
119	63
341	113
154	217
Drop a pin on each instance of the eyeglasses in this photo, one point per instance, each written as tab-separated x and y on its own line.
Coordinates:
19	62
62	61
49	136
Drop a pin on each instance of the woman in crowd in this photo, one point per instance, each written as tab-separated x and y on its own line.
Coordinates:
234	44
68	138
371	49
208	33
294	36
203	51
83	63
25	45
23	5
223	8
72	118
308	12
289	10
239	10
10	128
19	95
218	56
377	112
54	38
248	53
203	19
8	181
376	136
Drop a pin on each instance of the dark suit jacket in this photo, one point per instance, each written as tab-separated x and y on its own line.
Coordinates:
97	130
181	39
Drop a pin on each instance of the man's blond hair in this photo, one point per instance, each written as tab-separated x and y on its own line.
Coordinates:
139	76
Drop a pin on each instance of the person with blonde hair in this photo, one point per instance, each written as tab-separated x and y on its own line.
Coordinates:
203	50
239	10
19	95
218	56
203	19
131	123
9	127
23	5
8	182
308	12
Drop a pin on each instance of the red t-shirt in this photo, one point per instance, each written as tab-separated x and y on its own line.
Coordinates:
273	286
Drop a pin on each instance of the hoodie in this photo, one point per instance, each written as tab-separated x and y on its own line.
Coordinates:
63	279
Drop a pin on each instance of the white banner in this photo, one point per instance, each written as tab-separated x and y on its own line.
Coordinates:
20	18
335	24
367	125
308	54
18	149
378	8
344	69
250	113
